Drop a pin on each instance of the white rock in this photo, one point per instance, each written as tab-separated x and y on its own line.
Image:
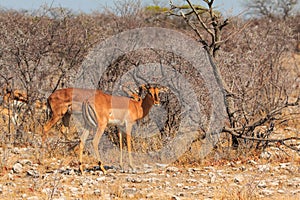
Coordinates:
192	181
181	194
149	196
296	180
188	187
295	192
174	197
109	171
167	184
284	165
281	191
129	190
17	168
242	168
209	168
197	192
265	155
12	184
47	191
129	196
212	177
134	180
263	168
149	170
172	169
152	180
159	165
238	179
97	192
203	181
262	184
267	192
274	183
72	172
252	162
74	189
10	176
15	150
107	197
146	166
101	179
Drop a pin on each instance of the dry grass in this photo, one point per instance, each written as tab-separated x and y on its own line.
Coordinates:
55	182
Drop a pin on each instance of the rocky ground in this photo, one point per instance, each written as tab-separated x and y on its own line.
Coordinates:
22	177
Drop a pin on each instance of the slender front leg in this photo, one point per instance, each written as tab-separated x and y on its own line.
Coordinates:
121	148
96	141
48	126
57	113
46	130
83	138
51	123
128	138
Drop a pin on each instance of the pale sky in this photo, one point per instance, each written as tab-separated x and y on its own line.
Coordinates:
227	7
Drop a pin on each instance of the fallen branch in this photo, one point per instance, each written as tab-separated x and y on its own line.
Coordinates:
281	141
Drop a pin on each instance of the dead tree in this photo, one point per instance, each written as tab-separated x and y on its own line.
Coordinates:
245	118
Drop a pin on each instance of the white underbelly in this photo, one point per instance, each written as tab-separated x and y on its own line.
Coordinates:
115	121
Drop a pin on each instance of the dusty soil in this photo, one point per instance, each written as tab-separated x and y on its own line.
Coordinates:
24	177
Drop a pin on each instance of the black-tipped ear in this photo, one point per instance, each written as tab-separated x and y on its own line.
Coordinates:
144	87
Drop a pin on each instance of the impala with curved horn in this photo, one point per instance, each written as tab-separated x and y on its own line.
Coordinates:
99	110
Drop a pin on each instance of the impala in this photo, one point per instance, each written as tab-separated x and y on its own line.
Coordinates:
15	95
99	110
19	97
12	101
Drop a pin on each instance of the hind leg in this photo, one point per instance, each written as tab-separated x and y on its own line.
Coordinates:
83	138
96	141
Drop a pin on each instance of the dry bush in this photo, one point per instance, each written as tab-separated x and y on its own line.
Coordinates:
251	56
271	8
39	53
253	66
